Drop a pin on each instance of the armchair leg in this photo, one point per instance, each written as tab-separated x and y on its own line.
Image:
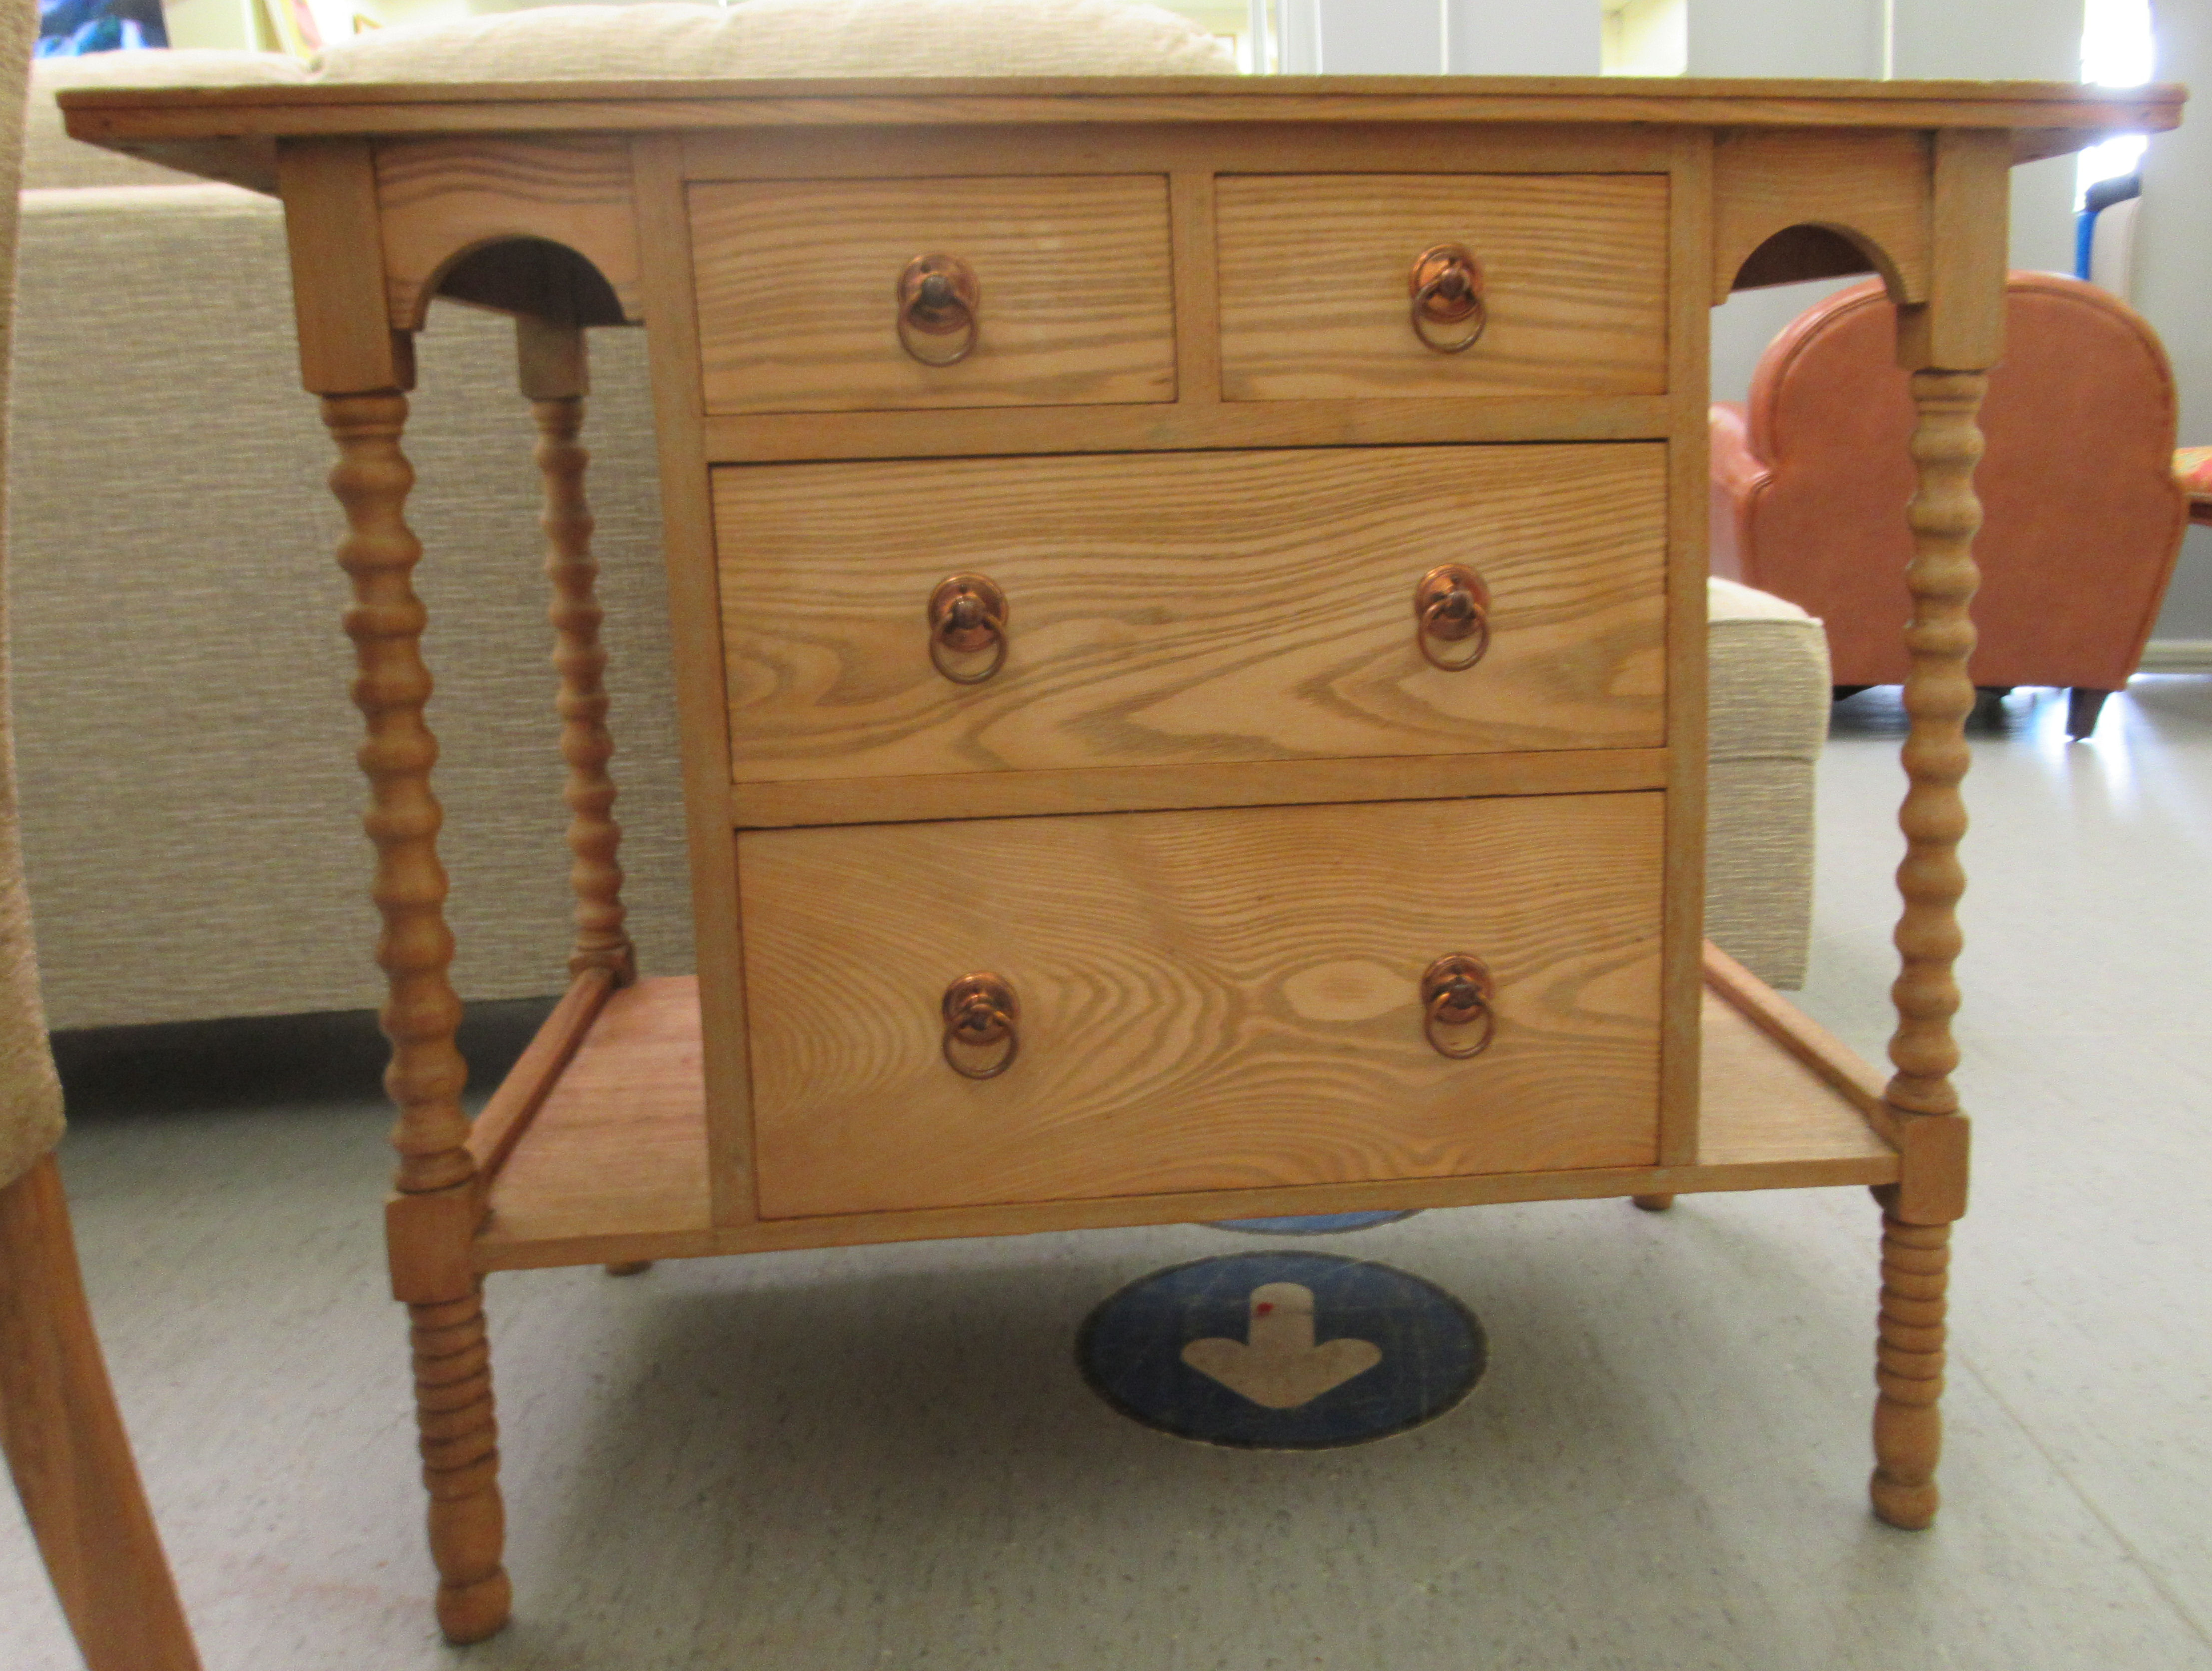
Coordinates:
67	1448
2083	708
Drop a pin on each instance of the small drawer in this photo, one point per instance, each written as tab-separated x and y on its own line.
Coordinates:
1317	285
1222	999
1052	292
1189	608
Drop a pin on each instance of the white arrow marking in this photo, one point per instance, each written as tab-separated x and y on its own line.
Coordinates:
1280	1367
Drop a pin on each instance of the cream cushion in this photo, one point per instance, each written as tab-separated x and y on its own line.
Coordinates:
790	38
51	158
1766	721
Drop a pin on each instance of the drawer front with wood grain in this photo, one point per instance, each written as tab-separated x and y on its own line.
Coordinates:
1191	608
1560	286
1215	1000
1051	291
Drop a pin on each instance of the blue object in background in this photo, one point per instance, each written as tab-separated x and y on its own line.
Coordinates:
2094	201
68	28
1313	1224
1432	1351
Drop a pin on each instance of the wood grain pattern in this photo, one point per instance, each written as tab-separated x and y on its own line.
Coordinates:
371	480
1210	1000
67	1450
1961	325
622	1134
1873	188
1313	303
440	199
796	279
506	1113
594	838
1064	148
1162	788
702	702
612	1172
1836	1062
1189	608
347	344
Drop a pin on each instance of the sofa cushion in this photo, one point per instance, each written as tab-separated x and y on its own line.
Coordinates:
51	158
795	37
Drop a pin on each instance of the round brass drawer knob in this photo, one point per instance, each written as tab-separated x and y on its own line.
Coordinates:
981	1011
1457	992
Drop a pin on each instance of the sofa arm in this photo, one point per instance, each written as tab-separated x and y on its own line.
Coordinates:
1738	476
1766	721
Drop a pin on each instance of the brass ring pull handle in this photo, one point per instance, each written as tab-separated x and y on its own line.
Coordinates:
981	1011
938	296
1456	990
1451	606
1446	286
967	614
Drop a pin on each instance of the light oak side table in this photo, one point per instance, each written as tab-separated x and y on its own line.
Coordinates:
1190	624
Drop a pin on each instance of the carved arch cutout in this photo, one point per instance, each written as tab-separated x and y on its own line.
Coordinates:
448	206
1799	205
533	275
1800	252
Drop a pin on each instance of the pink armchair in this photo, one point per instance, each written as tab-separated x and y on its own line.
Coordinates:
2082	517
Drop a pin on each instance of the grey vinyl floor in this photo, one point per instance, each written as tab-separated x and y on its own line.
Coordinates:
885	1458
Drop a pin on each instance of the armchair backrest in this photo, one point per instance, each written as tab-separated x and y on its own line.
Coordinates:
2082	516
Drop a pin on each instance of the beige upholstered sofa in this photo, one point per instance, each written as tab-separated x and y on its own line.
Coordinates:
190	809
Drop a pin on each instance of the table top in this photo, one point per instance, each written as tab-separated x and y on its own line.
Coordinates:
225	131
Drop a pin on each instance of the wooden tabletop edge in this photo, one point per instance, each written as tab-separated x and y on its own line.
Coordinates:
2059	100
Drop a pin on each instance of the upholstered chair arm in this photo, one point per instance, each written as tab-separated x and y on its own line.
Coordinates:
1738	475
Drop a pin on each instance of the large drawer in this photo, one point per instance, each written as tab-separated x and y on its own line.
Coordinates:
799	293
1214	1000
1315	302
1190	607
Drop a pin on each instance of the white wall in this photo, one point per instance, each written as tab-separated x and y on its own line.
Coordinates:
1524	37
2173	275
1409	37
2033	40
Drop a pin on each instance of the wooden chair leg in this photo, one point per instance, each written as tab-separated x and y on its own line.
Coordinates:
67	1448
430	1223
2083	708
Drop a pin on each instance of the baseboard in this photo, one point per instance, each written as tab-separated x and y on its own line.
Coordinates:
2177	655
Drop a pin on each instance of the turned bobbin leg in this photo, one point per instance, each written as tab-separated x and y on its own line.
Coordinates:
550	357
1917	1211
433	1217
1908	1427
555	380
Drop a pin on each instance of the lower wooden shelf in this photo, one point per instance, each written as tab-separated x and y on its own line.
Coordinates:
596	1145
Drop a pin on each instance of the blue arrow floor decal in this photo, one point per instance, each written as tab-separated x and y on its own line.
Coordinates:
1281	1351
